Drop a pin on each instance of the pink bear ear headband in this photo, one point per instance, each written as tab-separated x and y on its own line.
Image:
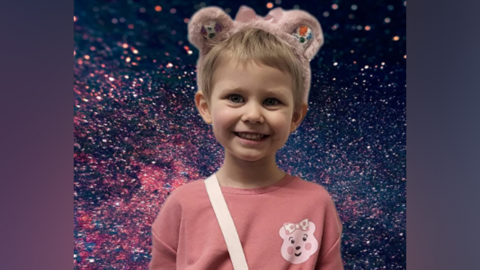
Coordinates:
210	26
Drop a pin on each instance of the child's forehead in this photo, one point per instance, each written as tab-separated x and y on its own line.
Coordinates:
250	73
227	64
237	62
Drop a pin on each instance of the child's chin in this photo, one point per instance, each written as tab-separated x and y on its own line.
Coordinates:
249	157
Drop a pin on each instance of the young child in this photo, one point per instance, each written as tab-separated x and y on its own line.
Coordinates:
254	79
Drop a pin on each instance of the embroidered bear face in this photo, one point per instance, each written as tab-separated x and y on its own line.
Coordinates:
299	242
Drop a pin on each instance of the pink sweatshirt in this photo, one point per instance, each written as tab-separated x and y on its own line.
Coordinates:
290	225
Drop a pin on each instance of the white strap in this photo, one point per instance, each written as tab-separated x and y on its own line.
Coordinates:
226	223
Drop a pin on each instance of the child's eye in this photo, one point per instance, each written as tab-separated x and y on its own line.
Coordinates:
235	98
271	102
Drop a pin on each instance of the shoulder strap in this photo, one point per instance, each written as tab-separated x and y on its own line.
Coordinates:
226	223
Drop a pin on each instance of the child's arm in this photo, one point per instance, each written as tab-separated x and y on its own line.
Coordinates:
165	231
330	255
332	260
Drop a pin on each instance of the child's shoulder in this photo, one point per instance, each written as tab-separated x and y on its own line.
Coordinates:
317	196
190	198
313	189
189	187
188	191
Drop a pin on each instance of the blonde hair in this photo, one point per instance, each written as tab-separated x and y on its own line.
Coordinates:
256	45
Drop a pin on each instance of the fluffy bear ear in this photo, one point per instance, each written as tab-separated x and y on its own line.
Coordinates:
207	27
305	29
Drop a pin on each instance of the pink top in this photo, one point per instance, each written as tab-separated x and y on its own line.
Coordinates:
292	224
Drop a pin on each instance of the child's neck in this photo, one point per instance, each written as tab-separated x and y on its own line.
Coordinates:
239	173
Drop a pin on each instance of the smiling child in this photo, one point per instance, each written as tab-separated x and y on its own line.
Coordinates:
254	79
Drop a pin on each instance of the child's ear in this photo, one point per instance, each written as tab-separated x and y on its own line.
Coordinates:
298	117
203	108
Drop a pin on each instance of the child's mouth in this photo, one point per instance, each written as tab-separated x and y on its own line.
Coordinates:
251	137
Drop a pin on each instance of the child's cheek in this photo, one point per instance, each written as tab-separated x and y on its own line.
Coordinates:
223	118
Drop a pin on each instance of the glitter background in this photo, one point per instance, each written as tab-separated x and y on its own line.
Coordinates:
138	136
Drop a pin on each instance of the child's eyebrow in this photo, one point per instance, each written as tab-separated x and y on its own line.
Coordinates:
268	92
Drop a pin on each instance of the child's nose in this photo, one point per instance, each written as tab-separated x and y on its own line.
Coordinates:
253	113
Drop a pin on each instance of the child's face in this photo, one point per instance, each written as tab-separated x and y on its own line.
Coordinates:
261	104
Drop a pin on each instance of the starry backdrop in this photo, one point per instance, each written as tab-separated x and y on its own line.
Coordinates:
138	136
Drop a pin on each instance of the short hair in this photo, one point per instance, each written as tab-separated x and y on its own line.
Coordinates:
256	45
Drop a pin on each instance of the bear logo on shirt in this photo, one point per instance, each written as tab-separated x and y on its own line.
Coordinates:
298	241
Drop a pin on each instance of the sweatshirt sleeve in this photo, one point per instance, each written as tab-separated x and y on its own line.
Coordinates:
330	254
165	232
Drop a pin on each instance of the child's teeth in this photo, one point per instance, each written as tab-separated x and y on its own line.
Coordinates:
251	136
